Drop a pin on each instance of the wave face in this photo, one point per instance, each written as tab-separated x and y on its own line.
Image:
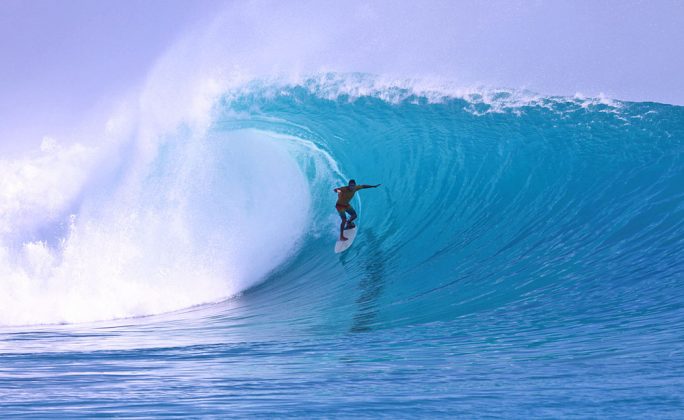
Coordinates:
523	256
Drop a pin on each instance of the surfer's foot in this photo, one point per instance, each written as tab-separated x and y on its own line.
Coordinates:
342	238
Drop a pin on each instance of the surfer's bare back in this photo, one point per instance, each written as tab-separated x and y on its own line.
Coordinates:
344	196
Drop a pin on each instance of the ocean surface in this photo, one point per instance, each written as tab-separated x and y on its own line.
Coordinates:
524	257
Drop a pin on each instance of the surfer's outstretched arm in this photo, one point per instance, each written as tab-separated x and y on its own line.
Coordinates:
361	187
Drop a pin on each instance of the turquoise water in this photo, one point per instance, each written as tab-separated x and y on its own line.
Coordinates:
524	256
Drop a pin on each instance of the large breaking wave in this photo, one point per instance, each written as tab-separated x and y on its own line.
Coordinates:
490	198
216	176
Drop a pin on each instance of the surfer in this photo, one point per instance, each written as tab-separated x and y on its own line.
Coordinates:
344	196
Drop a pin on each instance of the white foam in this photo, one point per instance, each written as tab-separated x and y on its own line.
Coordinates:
197	225
35	190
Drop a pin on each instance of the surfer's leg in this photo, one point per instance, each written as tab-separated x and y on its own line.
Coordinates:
342	225
352	213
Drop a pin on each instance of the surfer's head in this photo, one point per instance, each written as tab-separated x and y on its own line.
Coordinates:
352	182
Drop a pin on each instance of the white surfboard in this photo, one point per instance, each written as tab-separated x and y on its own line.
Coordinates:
350	234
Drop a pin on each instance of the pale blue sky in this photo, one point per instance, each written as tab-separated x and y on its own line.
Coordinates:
62	59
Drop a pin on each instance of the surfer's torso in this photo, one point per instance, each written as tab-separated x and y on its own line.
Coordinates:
345	195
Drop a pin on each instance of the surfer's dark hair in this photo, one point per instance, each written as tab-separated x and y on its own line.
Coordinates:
352	181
